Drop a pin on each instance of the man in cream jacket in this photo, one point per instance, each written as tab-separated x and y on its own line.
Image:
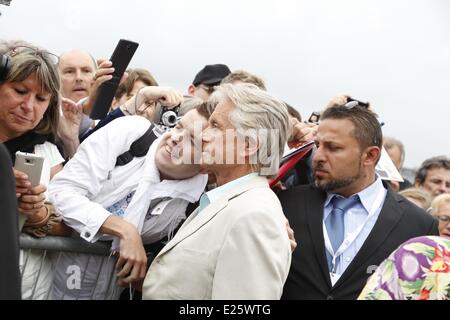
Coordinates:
235	245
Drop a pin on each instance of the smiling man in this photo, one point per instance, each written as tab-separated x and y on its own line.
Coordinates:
349	220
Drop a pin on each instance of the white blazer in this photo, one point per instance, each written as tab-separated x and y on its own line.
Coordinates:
235	248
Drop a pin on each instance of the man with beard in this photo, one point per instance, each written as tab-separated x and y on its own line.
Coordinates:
349	221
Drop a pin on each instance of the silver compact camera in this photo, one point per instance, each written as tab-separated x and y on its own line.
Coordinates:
169	117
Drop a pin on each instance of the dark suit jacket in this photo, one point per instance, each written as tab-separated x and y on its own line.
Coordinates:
308	278
9	238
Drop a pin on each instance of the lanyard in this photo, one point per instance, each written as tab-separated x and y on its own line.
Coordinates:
352	236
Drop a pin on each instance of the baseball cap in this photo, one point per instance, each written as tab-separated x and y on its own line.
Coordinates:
211	74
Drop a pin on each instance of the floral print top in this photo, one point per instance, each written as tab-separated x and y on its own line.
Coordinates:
418	270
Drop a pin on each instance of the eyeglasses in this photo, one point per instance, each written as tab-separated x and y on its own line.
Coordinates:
209	89
444	219
43	53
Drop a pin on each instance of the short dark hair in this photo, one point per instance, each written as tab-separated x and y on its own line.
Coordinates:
367	129
431	163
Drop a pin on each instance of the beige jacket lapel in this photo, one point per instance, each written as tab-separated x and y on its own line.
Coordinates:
197	220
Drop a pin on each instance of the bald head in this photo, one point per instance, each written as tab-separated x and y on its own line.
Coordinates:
77	69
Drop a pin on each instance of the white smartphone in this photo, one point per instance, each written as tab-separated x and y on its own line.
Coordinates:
31	165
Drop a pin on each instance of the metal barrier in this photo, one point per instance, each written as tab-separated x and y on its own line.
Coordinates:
83	270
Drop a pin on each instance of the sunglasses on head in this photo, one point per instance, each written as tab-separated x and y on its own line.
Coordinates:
43	53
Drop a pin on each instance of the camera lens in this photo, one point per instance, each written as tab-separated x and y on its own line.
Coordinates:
169	119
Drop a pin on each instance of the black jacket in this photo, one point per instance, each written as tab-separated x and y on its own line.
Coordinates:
9	239
308	278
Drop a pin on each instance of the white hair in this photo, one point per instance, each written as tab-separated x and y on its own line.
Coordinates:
257	111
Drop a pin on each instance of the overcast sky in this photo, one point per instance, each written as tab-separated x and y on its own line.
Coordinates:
393	53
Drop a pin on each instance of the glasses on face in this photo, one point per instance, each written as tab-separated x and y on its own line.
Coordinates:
209	89
43	53
444	219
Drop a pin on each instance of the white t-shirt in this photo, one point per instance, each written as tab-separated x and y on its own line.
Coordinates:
37	272
51	156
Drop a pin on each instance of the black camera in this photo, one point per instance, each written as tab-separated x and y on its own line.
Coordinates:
169	117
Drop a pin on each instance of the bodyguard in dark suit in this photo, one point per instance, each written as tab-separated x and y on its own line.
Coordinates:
349	221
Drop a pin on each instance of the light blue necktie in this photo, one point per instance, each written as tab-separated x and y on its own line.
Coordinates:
204	202
335	222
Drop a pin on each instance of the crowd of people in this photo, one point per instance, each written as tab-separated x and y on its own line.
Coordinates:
195	196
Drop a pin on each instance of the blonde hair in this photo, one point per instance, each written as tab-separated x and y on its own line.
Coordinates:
438	201
246	77
418	194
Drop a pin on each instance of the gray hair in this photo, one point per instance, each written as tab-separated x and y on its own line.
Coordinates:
189	103
257	110
418	194
389	142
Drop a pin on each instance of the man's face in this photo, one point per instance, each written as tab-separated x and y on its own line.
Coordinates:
437	181
395	154
22	105
219	139
337	160
201	91
77	73
179	152
444	226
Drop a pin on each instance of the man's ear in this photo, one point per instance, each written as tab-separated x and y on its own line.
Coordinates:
250	147
371	156
191	89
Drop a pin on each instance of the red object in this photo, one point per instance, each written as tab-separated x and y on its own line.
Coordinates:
285	167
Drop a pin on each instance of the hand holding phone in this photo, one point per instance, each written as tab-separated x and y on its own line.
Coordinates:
314	117
31	165
120	59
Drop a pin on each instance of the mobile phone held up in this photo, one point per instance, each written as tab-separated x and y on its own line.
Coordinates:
31	165
314	117
120	59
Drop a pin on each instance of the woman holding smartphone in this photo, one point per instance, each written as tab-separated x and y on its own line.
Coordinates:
29	115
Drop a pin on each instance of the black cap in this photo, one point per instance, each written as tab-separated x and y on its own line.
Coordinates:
211	74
